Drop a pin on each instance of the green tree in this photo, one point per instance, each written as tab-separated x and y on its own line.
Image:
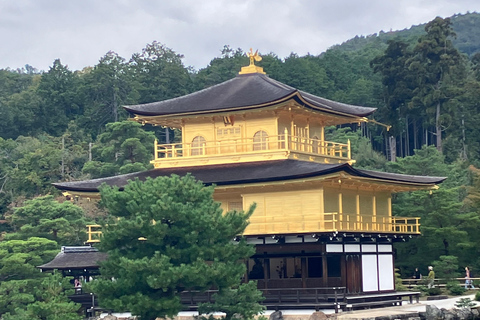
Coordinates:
33	164
60	99
171	237
159	73
18	275
108	86
44	217
397	82
124	147
305	73
436	64
221	69
446	267
51	302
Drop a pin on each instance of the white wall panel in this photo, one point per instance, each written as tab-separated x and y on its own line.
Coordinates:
384	248
369	272
334	247
385	272
369	247
352	248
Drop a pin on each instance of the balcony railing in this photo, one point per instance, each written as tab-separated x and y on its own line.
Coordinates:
332	222
94	233
251	145
322	222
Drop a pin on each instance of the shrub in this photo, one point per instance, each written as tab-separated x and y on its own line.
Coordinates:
455	289
446	267
477	296
398	281
465	303
422	288
434	291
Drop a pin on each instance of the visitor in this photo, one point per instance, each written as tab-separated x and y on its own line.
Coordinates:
78	286
468	280
416	274
257	270
431	277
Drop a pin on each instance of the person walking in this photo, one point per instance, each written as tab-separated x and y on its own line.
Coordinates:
431	277
468	280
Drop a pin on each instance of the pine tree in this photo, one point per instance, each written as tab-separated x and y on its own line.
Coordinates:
170	237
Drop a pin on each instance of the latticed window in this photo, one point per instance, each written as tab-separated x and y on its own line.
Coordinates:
260	141
198	144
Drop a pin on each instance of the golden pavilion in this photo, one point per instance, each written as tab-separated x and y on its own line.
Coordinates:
319	222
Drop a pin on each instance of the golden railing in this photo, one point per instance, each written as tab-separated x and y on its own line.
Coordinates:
94	233
322	222
252	145
332	222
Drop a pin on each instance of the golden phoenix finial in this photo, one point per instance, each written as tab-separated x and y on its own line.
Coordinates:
253	56
252	68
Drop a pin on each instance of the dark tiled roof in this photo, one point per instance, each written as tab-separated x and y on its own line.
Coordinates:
75	258
250	172
243	92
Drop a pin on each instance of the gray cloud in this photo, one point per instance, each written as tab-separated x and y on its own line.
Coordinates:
80	32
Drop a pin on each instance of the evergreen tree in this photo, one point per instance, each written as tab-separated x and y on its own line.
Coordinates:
60	100
108	86
397	81
221	69
18	273
170	237
436	64
159	73
124	147
44	217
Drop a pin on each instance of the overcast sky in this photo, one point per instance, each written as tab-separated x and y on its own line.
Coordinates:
80	32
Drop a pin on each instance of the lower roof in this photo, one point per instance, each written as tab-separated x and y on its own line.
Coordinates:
250	172
81	257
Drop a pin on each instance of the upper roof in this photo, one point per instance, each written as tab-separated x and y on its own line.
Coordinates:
81	257
246	91
250	172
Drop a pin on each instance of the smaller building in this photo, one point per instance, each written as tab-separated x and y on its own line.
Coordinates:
78	262
82	263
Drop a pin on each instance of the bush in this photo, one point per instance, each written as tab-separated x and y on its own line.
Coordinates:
477	296
398	281
455	289
422	288
434	291
466	303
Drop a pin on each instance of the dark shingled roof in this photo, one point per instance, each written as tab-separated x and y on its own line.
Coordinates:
247	91
250	172
82	257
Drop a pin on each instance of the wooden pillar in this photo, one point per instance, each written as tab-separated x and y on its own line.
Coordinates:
325	269
359	218
389	205
343	269
322	140
340	209
322	209
303	262
374	214
266	270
